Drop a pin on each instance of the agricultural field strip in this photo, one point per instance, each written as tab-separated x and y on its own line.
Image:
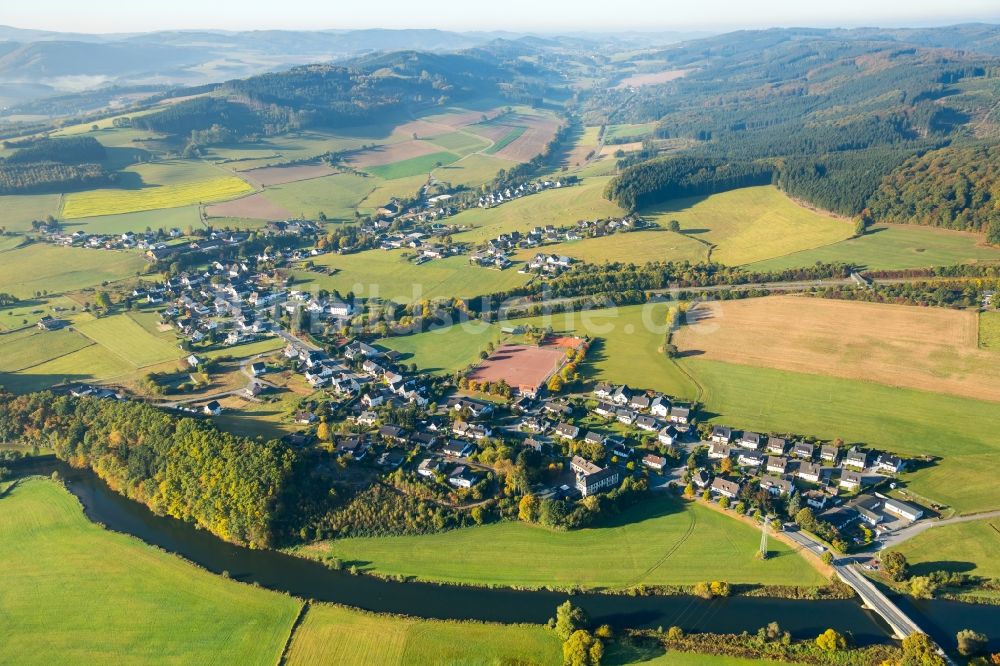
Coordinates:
111	202
129	341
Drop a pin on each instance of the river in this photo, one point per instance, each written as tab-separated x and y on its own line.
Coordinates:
311	580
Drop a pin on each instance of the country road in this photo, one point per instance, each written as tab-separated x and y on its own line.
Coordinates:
894	539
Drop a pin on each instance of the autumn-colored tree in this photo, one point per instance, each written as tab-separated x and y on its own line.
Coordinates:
831	641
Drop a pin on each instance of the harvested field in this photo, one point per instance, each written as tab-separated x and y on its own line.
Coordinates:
930	349
519	365
254	207
278	175
624	147
656	78
396	152
533	141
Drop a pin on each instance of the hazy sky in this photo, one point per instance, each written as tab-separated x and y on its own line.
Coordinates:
533	15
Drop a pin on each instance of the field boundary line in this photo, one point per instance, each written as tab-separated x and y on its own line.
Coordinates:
55	358
283	658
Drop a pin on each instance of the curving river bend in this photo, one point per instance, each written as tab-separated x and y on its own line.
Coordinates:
311	580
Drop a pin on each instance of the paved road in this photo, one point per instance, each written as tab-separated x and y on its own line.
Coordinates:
298	342
899	536
874	599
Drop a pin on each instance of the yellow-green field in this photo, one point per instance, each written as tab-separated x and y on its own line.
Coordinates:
89	364
125	338
445	349
113	202
334	635
389	275
29	347
475	169
989	330
52	268
750	224
74	593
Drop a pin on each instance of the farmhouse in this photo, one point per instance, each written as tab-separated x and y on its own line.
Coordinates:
729	489
591	478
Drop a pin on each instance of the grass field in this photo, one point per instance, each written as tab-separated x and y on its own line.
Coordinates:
961	431
78	594
628	131
337	196
627	349
125	338
893	247
20	209
43	267
930	349
32	347
412	166
389	275
702	544
460	142
559	207
970	547
751	224
989	330
113	202
335	635
510	137
445	349
165	218
472	170
386	190
89	364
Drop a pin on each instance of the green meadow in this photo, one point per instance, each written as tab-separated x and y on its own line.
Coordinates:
134	344
336	635
78	594
412	166
164	218
662	541
635	132
51	268
472	170
970	547
989	330
460	142
513	135
24	349
893	247
390	275
89	364
637	247
19	210
337	196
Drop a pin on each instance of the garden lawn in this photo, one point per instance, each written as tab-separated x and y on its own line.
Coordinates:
972	547
559	207
413	166
906	421
445	350
660	541
751	224
336	635
389	275
75	593
125	338
52	268
989	330
627	346
337	196
893	247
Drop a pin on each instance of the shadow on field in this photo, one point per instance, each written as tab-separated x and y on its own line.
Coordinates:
632	651
657	506
951	566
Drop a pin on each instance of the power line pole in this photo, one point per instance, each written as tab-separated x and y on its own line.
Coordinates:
763	537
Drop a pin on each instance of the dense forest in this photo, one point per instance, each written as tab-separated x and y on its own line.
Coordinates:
835	112
53	165
660	180
956	187
178	466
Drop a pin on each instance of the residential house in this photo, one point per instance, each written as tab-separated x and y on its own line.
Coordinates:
355	446
729	489
639	402
750	458
856	459
660	407
777	464
647	423
777	485
750	440
567	431
718	451
193	361
591	478
620	447
626	416
889	464
850	480
424	439
213	408
594	438
457	448
622	395
462	477
393	433
367	418
869	509
722	434
390	459
829	453
305	418
803	450
810	472
701	478
257	369
679	414
667	435
603	391
428	467
654	462
605	409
